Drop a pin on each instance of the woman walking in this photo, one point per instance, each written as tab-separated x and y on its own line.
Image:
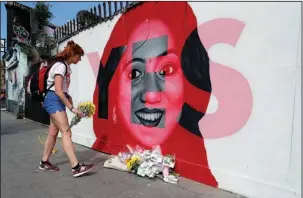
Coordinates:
55	103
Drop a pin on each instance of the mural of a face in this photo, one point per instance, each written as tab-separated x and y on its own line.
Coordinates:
151	83
153	86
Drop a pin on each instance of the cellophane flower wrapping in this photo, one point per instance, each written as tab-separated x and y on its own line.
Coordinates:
145	163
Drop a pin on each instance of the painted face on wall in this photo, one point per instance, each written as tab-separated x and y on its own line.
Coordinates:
151	83
153	86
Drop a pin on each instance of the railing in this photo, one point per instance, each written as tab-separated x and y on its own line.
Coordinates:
86	19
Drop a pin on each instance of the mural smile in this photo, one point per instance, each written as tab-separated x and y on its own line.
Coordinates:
149	117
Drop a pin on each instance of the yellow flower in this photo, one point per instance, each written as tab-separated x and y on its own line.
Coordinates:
88	107
130	162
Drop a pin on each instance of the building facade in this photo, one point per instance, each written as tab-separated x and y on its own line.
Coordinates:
22	53
2	65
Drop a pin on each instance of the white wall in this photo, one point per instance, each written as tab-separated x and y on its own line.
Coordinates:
263	158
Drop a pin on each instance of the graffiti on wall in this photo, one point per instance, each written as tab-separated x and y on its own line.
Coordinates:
21	34
12	64
15	88
154	83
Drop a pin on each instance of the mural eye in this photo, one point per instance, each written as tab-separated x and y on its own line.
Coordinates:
135	74
166	70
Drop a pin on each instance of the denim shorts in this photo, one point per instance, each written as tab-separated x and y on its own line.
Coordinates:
52	103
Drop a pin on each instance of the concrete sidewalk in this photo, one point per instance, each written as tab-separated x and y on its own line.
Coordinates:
21	152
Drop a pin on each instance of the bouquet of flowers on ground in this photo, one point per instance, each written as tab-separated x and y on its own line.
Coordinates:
87	109
133	163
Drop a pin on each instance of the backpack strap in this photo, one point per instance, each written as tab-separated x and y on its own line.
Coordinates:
49	70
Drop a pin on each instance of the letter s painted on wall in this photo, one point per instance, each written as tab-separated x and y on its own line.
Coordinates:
230	87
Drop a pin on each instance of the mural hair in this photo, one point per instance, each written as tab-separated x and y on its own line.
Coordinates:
195	66
195	62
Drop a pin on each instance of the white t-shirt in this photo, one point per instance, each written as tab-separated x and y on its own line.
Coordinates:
59	68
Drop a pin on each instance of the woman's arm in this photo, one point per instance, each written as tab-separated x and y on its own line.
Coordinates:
59	91
70	99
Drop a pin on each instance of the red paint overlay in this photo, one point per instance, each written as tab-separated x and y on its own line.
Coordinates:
229	86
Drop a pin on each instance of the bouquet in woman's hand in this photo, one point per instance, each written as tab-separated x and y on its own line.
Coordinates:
87	109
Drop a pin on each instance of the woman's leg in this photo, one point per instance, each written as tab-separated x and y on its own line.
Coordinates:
48	147
50	140
61	121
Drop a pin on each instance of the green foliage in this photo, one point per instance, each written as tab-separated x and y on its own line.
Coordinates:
43	16
43	13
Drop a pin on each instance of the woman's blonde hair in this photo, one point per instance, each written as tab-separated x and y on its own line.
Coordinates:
70	50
